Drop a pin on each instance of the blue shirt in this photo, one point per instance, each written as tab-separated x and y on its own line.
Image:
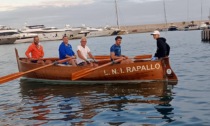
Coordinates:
116	49
65	50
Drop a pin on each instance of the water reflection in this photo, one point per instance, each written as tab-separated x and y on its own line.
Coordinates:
94	104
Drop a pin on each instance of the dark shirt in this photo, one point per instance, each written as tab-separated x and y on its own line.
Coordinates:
163	49
65	50
116	49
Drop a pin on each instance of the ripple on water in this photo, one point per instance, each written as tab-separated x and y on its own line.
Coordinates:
35	103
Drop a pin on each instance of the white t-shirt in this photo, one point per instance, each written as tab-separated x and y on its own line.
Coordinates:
84	52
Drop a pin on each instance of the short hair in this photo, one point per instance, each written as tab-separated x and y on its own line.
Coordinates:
83	38
36	37
64	36
118	37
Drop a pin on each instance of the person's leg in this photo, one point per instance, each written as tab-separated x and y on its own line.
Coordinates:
127	61
81	64
48	62
95	64
73	62
40	62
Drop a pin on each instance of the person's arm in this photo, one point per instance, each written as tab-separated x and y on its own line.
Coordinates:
112	53
161	49
73	57
125	57
62	51
91	56
28	51
73	54
42	52
89	53
168	49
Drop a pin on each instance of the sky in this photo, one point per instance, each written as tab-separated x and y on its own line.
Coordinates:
99	13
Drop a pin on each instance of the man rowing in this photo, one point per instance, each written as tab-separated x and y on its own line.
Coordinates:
35	51
83	52
115	51
66	51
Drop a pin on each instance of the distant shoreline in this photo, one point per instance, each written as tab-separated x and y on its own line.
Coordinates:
152	27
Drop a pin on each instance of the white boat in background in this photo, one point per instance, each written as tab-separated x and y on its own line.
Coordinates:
48	33
25	38
7	35
92	32
81	34
203	26
192	27
74	32
44	33
98	32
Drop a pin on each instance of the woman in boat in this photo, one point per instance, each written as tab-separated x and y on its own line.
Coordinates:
163	49
35	51
83	51
66	51
115	51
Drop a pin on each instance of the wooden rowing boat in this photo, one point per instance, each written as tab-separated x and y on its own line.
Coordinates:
140	70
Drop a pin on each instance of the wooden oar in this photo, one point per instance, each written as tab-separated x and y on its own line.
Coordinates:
85	72
19	74
146	56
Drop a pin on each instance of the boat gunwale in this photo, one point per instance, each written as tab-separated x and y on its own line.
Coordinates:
88	82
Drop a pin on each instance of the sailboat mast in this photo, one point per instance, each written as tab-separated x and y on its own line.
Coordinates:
187	10
117	16
201	10
209	15
165	12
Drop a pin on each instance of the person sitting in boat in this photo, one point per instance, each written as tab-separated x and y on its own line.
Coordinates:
115	51
83	52
66	51
163	49
35	52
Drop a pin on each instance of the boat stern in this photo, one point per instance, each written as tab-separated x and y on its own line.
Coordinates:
169	73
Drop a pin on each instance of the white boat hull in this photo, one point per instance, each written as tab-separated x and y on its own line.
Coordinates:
100	33
7	40
79	36
24	40
72	34
52	36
